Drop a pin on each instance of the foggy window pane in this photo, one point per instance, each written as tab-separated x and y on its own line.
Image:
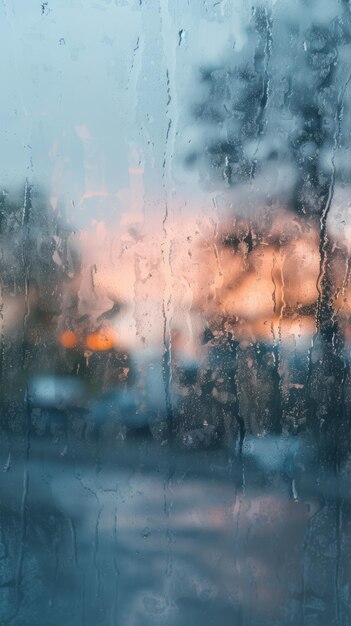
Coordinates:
175	302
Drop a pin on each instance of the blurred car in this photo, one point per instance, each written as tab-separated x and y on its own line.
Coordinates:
89	376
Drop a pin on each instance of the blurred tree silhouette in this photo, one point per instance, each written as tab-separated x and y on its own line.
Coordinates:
34	268
276	122
279	104
33	238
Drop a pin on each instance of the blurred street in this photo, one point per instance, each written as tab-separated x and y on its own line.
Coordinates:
136	533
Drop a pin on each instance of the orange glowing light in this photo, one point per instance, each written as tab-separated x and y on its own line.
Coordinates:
100	341
68	339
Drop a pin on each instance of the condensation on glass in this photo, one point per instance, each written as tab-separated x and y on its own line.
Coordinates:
175	301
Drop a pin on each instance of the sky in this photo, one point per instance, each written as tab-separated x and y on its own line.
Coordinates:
97	96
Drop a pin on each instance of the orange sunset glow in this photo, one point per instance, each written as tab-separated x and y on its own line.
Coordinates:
190	272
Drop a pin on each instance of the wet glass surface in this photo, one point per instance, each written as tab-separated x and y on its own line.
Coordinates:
175	313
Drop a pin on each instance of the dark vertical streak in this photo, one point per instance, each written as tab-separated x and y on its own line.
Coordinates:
260	122
167	342
338	552
2	332
115	568
306	552
22	536
242	429
324	217
135	50
95	559
25	260
169	534
323	323
78	567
